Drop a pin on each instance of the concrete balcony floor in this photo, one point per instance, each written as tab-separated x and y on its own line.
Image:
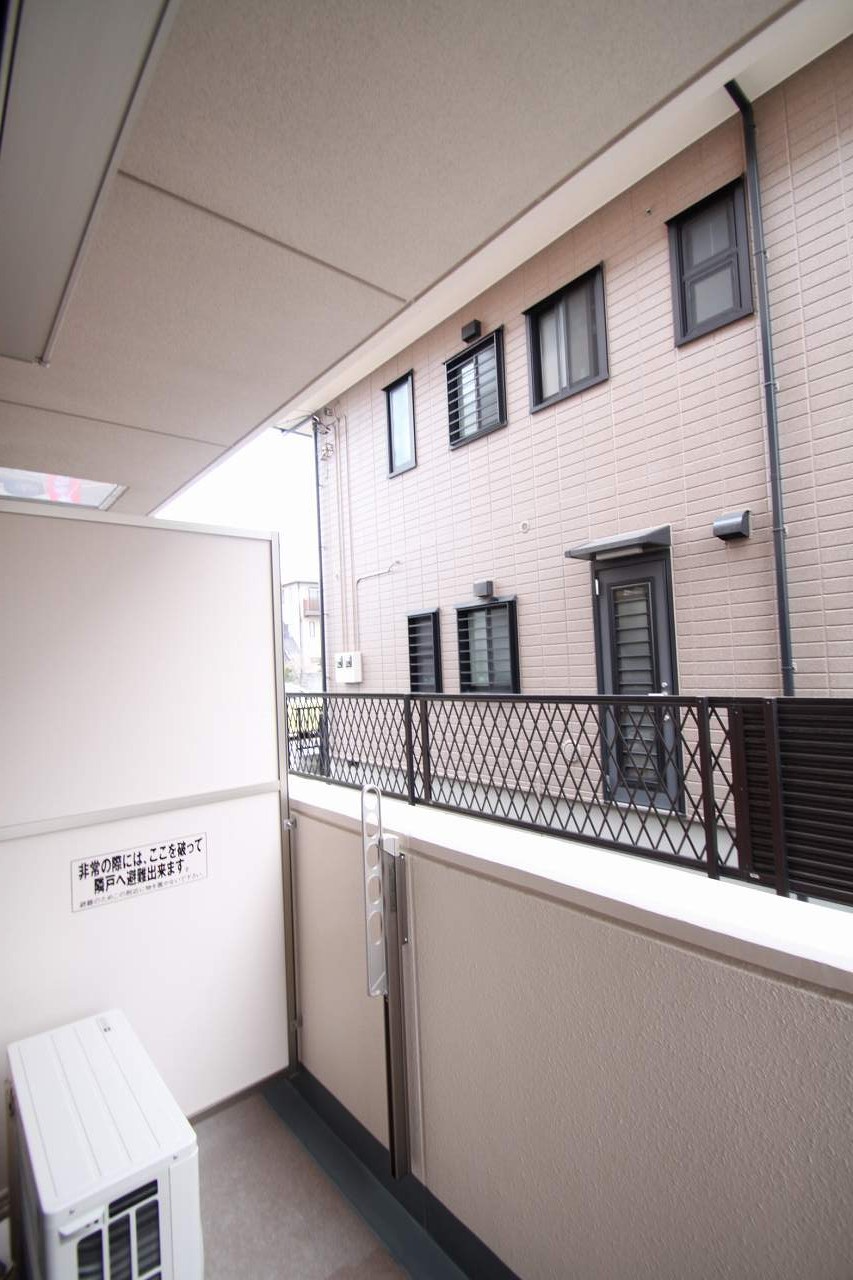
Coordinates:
268	1209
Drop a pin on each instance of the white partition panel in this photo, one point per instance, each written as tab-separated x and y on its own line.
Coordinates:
140	682
136	665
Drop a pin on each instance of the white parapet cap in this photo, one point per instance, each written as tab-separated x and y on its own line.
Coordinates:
806	941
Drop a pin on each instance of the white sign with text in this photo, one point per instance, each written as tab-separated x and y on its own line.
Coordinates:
129	873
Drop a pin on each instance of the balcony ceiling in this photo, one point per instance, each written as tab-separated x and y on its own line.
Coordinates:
297	175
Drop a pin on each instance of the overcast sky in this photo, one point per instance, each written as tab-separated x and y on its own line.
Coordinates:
268	484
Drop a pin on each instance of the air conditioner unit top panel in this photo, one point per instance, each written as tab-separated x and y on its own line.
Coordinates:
93	1108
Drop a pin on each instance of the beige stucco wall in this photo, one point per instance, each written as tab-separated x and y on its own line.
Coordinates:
806	149
674	435
341	1038
592	1100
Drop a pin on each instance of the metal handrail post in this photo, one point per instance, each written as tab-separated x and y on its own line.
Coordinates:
706	768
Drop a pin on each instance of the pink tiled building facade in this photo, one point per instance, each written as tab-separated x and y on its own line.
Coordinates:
612	394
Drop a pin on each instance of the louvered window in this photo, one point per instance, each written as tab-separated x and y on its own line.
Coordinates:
488	648
635	659
709	256
424	653
635	673
476	401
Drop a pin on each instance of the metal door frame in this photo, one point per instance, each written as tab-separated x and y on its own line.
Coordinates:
614	791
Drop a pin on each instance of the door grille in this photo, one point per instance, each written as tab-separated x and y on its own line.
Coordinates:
638	741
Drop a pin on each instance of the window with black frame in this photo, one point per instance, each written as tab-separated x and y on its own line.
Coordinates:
488	648
567	341
476	398
400	413
424	653
709	258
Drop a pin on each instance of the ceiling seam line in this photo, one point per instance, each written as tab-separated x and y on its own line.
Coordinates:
261	235
706	69
601	151
268	422
109	422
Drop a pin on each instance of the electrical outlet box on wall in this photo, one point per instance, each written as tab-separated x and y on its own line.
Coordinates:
348	667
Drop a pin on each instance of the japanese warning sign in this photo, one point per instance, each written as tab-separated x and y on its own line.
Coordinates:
146	869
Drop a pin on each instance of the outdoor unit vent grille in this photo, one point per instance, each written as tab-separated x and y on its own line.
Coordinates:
90	1257
134	1240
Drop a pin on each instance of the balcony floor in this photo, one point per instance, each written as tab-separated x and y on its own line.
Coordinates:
268	1210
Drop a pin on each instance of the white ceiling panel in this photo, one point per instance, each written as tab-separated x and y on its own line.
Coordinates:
150	465
297	172
392	138
182	323
75	71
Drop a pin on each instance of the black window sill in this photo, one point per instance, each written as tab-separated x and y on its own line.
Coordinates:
711	326
477	435
401	471
568	392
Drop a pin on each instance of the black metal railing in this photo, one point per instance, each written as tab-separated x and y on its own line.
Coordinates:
756	789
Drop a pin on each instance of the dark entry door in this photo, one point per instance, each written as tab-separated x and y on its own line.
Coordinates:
636	655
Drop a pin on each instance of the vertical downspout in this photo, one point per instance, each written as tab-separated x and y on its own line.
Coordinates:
324	683
783	609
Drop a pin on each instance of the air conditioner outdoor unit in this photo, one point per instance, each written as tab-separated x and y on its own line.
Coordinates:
107	1164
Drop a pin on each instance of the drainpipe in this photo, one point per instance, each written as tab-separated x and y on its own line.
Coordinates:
783	609
324	684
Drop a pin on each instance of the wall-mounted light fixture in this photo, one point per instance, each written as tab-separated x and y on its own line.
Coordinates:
733	525
471	331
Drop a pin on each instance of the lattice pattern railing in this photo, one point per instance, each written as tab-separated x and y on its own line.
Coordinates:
692	781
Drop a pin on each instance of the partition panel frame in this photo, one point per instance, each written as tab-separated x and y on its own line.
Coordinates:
71	821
